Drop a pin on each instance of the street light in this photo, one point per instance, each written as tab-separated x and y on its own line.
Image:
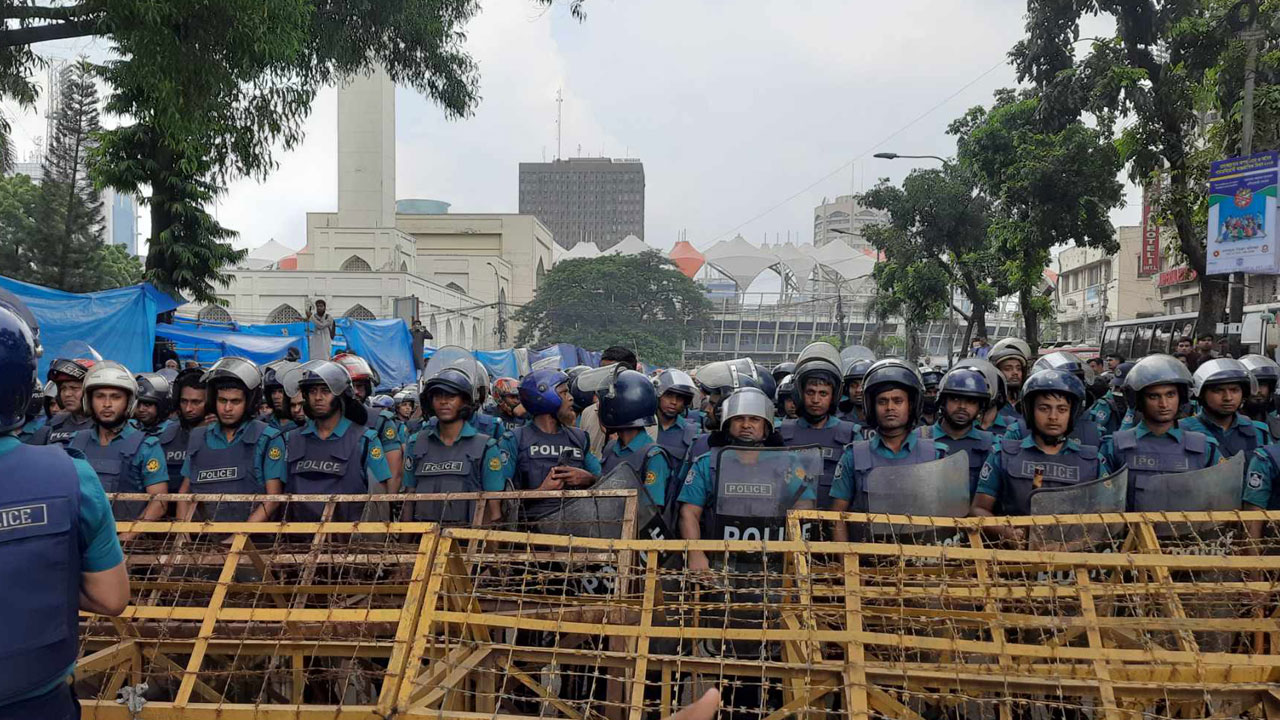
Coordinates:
895	156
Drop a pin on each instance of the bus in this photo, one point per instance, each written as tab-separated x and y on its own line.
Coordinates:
1135	338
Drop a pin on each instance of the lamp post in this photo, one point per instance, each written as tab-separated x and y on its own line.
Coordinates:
895	156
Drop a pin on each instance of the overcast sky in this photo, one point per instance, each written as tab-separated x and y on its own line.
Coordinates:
746	113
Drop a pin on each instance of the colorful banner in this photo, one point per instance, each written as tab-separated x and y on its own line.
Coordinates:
1242	216
1149	260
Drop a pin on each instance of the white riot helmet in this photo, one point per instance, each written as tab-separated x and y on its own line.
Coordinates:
109	374
747	402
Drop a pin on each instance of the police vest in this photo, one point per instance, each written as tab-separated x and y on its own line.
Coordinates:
1009	412
60	429
1085	431
382	422
701	446
832	439
112	464
227	471
978	443
677	440
864	461
1240	437
440	468
1273	425
412	426
332	466
747	508
31	427
39	569
1021	463
486	424
276	423
174	439
537	452
1154	455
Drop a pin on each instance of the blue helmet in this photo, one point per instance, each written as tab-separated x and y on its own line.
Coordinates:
1117	379
966	382
931	377
17	369
1056	381
888	374
382	402
630	402
767	384
538	393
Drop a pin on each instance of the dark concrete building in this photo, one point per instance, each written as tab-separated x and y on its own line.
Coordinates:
599	200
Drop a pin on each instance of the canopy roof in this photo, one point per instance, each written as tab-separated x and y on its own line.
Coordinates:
743	262
687	258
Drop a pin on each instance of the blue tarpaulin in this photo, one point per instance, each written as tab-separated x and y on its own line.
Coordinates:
385	344
286	330
206	345
499	363
120	324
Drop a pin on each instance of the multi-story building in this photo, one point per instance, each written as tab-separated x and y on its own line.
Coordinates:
597	200
1095	287
119	210
844	219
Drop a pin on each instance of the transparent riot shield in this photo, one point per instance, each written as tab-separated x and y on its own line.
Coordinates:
602	517
934	489
1102	495
755	487
77	349
1213	488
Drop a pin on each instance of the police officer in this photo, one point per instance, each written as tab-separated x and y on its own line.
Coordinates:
851	405
68	375
407	411
991	420
449	455
1261	406
963	395
190	398
58	553
506	393
550	454
380	420
892	393
1220	387
454	355
335	452
1111	410
154	406
676	432
1011	356
39	410
929	406
748	422
628	406
281	415
782	370
784	402
817	381
126	459
1047	457
1155	388
237	454
1085	430
581	398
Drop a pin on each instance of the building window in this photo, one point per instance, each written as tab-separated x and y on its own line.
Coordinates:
285	313
355	263
214	314
359	312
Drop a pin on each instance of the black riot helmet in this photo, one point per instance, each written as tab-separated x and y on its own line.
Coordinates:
886	375
965	382
451	380
156	389
1052	381
273	374
818	361
630	401
781	370
239	373
1152	370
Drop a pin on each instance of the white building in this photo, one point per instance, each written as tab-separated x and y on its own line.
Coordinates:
844	219
1095	287
367	260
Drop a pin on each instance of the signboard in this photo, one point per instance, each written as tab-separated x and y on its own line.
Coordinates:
1175	276
1242	216
1149	259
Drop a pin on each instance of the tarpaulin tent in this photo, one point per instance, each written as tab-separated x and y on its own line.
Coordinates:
120	324
287	330
206	345
499	363
385	344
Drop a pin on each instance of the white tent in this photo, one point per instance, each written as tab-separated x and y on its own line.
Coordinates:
629	245
582	250
740	260
265	255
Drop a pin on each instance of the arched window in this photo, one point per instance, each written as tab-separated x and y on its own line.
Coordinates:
456	288
214	314
448	333
358	312
462	334
285	313
404	266
435	331
475	333
541	273
355	263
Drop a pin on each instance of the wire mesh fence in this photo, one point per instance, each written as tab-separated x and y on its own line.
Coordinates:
1116	616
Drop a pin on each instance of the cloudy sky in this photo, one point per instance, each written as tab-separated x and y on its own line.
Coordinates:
746	113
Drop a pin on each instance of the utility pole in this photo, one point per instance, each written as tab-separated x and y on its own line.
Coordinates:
840	315
559	118
1244	12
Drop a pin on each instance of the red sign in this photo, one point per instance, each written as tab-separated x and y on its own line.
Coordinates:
1149	260
1174	276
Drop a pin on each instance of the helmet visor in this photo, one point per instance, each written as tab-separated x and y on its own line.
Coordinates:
316	371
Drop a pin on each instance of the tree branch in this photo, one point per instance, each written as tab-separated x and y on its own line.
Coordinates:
36	12
42	33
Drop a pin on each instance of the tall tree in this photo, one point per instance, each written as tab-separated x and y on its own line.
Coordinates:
19	198
1051	181
640	301
69	219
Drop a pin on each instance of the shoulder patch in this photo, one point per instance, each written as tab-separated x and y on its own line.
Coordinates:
153	465
495	464
274	453
650	477
375	453
391	432
1255	481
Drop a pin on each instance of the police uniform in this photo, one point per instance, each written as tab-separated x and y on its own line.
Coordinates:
863	456
1244	435
977	443
339	464
1106	413
646	458
1010	413
53	531
31	427
389	431
487	424
1009	474
60	429
704	489
473	463
832	435
537	452
239	466
678	438
854	415
1085	431
1147	454
1001	425
130	463
1260	479
174	438
275	423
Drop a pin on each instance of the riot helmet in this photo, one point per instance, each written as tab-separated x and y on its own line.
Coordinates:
629	402
406	396
964	382
1218	373
886	375
505	387
1120	373
156	389
676	382
109	374
786	391
14	304
855	369
362	374
747	402
1010	347
17	370
1053	381
766	384
1264	370
819	362
1066	362
1153	370
331	376
931	377
539	391
382	402
995	379
856	352
582	399
722	377
272	373
450	380
782	370
235	372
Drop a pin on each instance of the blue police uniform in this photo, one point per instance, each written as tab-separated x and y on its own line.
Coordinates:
384	424
646	458
1260	479
1000	425
1085	431
130	462
60	429
677	439
537	452
239	466
473	463
1244	435
275	423
700	487
863	456
832	435
1010	413
1009	473
53	531
1147	454
487	424
1106	413
337	465
977	443
31	427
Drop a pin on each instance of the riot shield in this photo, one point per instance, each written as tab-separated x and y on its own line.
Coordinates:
1102	495
934	489
601	517
77	349
755	487
1218	487
856	352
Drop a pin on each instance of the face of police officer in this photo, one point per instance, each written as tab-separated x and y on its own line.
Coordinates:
297	408
146	413
362	390
321	404
747	429
191	405
789	407
818	397
672	405
404	410
446	406
277	401
855	392
509	402
109	406
893	410
1159	404
1222	400
1012	369
960	411
1052	413
231	406
566	416
69	394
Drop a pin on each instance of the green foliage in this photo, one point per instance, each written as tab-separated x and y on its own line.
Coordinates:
116	267
19	198
640	301
833	340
